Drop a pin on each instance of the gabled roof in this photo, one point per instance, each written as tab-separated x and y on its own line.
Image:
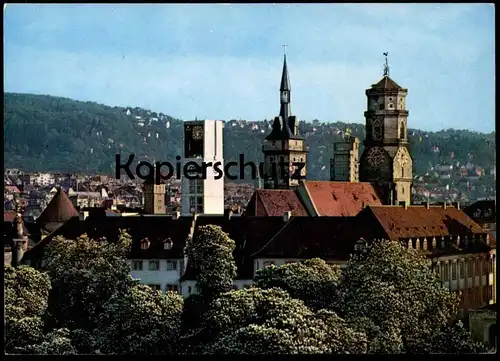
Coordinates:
59	210
271	202
419	221
386	83
336	199
309	237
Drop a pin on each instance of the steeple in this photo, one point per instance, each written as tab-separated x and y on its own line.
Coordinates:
285	81
285	110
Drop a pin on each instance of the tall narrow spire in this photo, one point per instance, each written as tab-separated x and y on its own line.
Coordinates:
285	80
285	110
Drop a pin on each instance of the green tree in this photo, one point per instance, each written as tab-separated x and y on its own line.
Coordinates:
210	254
85	273
394	296
26	292
256	321
141	321
210	258
312	281
56	342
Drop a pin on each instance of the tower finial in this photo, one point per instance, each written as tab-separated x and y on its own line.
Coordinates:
284	49
386	65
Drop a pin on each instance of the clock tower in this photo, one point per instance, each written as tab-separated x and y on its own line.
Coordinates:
202	190
285	150
386	161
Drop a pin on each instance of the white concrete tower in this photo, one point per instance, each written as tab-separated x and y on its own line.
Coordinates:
203	145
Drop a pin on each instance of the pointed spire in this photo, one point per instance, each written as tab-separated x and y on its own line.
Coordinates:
285	80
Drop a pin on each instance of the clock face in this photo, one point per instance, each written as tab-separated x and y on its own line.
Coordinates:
197	133
373	104
376	157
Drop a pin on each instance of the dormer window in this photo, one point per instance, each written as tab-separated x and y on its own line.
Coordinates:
168	244
145	244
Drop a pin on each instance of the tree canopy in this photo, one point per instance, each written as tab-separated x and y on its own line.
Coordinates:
85	302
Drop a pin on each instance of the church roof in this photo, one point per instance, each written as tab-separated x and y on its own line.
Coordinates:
59	210
386	83
337	199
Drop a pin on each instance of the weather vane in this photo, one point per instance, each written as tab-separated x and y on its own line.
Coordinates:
386	65
284	48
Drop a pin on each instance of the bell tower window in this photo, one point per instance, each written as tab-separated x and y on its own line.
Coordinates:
376	130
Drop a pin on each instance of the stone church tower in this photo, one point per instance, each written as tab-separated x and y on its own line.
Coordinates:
386	161
284	147
154	196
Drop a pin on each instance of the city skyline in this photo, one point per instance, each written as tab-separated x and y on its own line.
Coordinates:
224	61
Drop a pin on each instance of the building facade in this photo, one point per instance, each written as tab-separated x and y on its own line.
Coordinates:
202	190
344	166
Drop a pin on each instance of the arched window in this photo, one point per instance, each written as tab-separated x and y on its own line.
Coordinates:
402	131
402	171
376	130
168	244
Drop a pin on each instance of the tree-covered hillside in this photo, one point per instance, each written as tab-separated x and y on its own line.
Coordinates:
46	133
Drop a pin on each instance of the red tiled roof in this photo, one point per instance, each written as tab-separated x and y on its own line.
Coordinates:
274	202
12	189
386	83
9	216
418	221
336	199
59	210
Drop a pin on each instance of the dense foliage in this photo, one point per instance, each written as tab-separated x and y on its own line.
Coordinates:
388	301
46	133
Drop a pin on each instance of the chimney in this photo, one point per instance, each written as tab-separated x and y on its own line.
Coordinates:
457	205
229	213
176	215
405	204
83	215
488	239
287	216
427	205
444	205
195	216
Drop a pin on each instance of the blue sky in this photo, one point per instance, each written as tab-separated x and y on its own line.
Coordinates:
224	61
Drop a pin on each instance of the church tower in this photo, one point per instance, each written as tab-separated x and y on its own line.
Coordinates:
154	197
386	161
285	151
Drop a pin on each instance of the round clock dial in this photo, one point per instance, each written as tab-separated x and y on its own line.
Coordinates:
376	157
197	133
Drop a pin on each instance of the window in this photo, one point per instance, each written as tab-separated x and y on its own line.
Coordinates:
156	287
196	186
172	287
171	265
145	244
196	204
190	289
154	265
469	268
137	265
268	263
462	269
454	271
168	244
376	130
